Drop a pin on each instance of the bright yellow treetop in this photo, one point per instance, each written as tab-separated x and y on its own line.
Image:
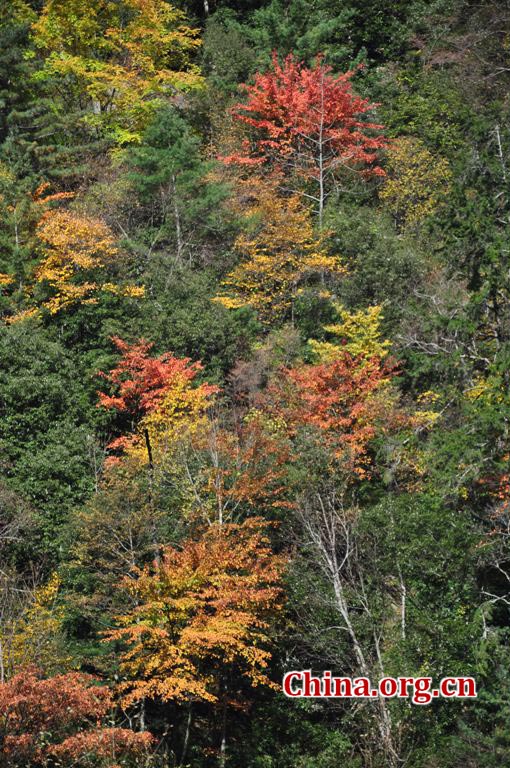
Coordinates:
77	249
358	333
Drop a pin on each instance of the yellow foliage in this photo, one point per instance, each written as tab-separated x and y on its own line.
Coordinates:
358	333
120	56
5	280
417	181
77	248
23	315
180	416
36	637
487	390
279	255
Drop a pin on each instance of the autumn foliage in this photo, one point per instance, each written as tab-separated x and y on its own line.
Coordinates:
61	721
418	181
117	57
307	121
279	256
347	401
158	394
142	381
201	609
77	251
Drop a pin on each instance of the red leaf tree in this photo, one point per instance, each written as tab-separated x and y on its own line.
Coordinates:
160	388
142	381
61	721
308	122
346	402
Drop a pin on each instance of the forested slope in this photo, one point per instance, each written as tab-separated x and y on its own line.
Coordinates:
254	380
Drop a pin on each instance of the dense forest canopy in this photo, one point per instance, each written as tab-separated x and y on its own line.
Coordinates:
254	380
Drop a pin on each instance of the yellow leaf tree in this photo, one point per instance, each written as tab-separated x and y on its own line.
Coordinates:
358	333
76	250
35	634
279	255
117	57
417	181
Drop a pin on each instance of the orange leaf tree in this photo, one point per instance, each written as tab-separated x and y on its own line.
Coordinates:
345	402
238	472
202	610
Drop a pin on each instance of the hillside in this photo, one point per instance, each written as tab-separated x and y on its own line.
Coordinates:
254	381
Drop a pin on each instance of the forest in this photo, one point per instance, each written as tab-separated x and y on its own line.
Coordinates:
254	380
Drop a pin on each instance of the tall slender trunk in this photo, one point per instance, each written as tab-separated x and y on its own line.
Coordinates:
2	670
186	737
321	160
500	152
177	217
223	742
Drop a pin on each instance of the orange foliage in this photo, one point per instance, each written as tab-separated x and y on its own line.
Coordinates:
201	609
347	400
142	381
306	121
247	469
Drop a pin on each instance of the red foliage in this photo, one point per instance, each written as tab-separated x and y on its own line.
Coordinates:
307	119
344	400
59	717
102	743
142	381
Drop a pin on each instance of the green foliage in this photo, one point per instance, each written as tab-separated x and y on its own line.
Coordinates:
46	427
183	207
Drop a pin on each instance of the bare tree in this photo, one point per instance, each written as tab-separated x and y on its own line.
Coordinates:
330	528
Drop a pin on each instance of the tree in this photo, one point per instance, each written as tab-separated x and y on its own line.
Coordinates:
330	527
227	474
15	22
172	181
210	600
344	403
61	720
307	122
280	254
114	60
358	333
204	613
46	428
36	635
158	396
76	249
417	182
